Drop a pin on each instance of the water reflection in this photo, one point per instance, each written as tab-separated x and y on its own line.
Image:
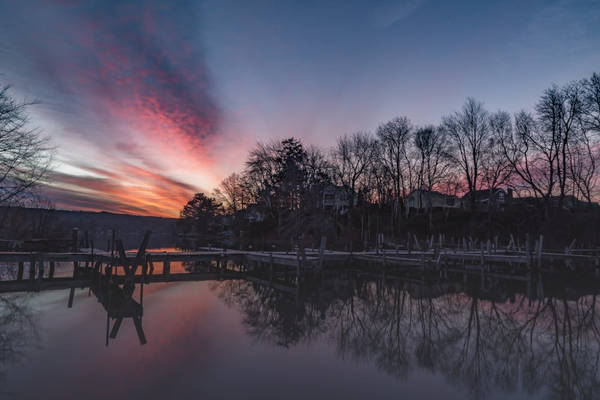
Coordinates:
520	345
119	304
490	339
18	329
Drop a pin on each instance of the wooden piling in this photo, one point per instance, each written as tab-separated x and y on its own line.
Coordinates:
32	270
539	251
20	271
71	297
75	239
528	249
322	251
40	270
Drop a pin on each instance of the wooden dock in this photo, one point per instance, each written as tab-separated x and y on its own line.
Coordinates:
37	270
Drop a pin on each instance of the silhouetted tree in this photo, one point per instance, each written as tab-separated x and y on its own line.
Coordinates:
200	212
232	193
25	155
352	158
432	147
559	113
591	99
469	132
496	169
395	137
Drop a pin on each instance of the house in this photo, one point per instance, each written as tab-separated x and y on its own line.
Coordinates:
254	214
423	198
336	198
496	197
569	202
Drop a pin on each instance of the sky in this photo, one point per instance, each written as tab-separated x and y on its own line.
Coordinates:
148	102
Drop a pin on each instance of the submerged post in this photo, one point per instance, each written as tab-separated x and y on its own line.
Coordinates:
75	238
40	270
539	251
322	250
20	272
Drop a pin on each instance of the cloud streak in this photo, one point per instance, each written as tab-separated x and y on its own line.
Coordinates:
126	84
137	191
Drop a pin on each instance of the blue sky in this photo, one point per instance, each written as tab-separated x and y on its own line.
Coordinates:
159	99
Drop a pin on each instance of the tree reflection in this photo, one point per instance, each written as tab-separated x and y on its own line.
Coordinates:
17	329
483	341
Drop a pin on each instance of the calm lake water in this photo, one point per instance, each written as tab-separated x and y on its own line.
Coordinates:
351	335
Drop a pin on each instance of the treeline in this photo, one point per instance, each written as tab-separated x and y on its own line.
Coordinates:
547	154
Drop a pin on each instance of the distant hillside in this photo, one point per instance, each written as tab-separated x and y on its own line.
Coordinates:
31	223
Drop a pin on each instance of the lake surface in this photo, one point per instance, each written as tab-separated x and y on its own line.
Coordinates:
348	335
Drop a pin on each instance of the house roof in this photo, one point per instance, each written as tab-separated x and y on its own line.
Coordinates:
433	192
482	194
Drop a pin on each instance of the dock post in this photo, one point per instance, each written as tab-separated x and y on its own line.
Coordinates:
539	251
322	251
20	272
32	269
71	296
112	244
75	238
482	278
166	267
40	270
528	250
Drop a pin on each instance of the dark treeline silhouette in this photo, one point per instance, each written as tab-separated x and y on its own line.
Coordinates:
452	178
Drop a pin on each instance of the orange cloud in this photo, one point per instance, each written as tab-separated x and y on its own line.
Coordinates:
132	190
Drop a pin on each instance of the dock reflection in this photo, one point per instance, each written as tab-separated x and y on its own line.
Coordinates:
119	304
510	336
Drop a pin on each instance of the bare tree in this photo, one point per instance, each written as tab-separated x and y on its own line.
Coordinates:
469	133
496	168
25	155
559	114
318	168
351	158
531	155
591	99
395	145
262	172
584	158
432	149
584	153
232	193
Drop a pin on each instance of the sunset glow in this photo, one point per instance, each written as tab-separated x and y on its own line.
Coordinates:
150	102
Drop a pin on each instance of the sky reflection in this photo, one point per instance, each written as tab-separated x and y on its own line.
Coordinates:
351	336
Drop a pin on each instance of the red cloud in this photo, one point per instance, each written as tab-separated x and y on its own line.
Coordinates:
131	190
